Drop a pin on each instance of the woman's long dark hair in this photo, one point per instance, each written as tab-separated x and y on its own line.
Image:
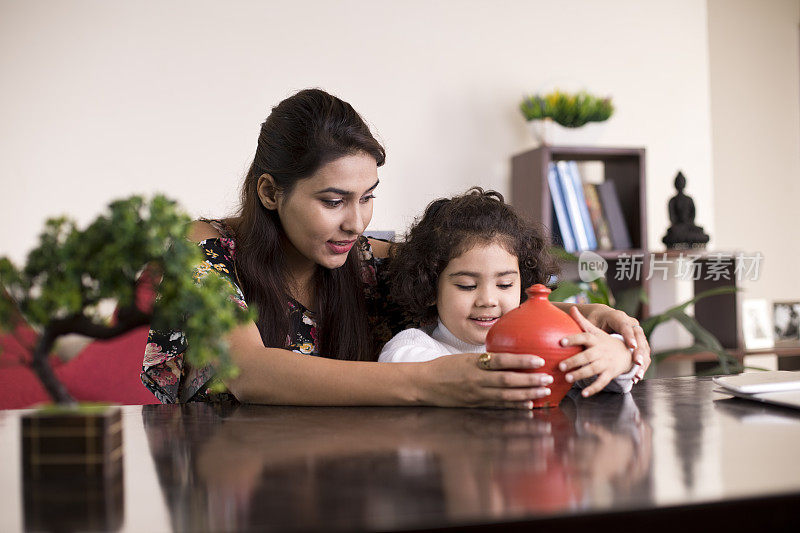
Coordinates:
303	132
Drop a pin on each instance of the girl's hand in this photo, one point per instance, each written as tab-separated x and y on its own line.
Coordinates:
604	356
466	380
609	319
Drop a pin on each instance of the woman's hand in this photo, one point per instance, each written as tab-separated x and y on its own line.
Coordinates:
466	380
604	356
609	319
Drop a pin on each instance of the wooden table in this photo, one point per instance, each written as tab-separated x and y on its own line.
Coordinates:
671	456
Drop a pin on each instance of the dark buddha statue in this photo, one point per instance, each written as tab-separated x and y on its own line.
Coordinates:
683	233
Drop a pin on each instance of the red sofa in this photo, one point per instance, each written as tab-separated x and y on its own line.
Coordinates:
104	371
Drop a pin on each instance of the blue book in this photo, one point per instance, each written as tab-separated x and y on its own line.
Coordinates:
577	182
573	207
560	209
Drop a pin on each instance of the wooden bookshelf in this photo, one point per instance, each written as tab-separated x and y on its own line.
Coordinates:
721	314
530	194
624	166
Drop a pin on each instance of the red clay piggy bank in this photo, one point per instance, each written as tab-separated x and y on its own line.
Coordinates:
536	327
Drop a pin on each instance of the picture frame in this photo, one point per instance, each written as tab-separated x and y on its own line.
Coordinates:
757	324
786	321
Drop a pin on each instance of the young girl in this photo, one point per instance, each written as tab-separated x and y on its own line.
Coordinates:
465	264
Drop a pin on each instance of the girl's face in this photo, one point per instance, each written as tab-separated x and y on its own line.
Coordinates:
324	214
475	289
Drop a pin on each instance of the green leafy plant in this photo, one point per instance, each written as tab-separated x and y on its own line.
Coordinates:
629	301
72	273
569	110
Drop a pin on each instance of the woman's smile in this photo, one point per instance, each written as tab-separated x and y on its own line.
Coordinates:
341	247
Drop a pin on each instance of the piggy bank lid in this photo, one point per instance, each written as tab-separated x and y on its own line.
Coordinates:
537	291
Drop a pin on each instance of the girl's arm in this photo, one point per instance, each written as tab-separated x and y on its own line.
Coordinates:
604	358
277	376
609	319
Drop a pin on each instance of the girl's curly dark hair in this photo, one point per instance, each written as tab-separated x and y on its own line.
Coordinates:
451	226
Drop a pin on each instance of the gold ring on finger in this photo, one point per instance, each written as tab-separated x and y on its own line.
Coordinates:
484	360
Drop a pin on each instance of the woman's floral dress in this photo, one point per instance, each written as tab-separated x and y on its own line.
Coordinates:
164	370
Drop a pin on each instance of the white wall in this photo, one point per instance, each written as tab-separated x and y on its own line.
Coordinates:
101	99
754	48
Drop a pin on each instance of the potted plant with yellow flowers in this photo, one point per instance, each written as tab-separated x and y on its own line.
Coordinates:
560	118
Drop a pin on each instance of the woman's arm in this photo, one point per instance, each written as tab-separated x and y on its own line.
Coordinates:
380	249
200	231
276	376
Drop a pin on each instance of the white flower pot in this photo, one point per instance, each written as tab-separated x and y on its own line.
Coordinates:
551	133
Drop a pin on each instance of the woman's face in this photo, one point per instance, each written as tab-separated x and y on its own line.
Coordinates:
324	214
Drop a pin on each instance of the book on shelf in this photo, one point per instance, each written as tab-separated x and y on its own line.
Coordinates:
573	203
617	228
577	183
599	221
560	215
587	216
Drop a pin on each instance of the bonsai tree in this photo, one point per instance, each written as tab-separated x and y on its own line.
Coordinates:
569	110
72	272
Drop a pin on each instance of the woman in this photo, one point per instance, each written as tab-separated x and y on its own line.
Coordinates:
295	252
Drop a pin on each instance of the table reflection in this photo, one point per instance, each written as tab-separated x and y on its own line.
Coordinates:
305	468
